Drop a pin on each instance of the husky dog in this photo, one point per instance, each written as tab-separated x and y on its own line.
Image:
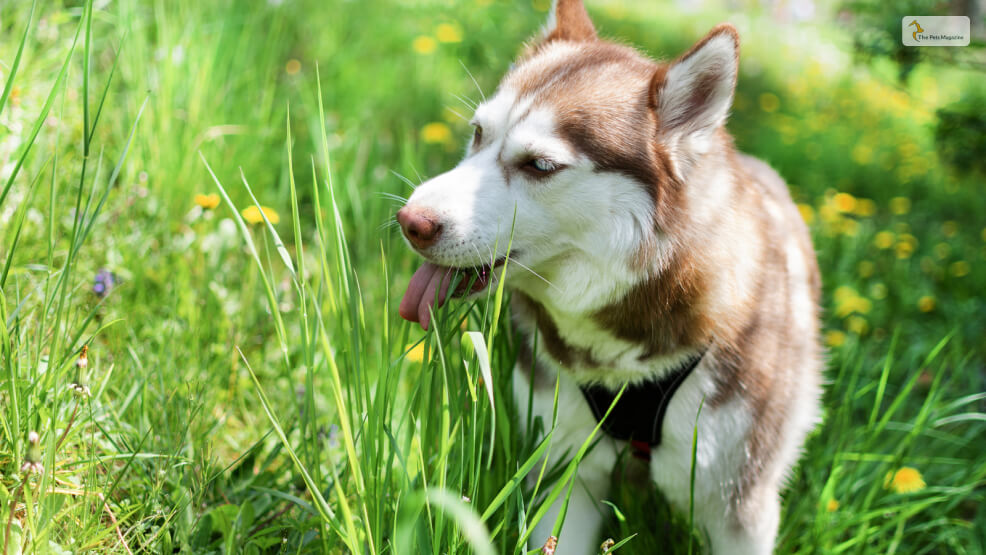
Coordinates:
650	255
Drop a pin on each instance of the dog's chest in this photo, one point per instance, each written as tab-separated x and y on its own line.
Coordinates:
591	354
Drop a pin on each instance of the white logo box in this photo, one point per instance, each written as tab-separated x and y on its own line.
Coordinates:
935	30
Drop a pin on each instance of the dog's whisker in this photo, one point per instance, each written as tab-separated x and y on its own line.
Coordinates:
405	180
474	82
390	223
522	266
467	102
392	196
479	256
450	109
492	254
535	274
418	175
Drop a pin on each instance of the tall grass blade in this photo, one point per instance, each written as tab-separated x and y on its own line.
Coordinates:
478	343
517	479
86	61
282	251
33	135
320	504
691	480
19	218
9	85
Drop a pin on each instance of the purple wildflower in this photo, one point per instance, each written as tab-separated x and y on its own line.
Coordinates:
104	281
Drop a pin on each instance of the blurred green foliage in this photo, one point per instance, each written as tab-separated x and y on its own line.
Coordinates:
876	33
961	132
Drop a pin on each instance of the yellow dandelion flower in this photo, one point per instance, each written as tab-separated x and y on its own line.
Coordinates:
908	149
424	44
807	213
904	250
436	133
926	303
950	228
834	338
942	250
417	353
900	205
207	202
857	325
959	268
828	214
844	292
832	506
849	227
769	102
847	301
448	32
253	216
858	304
862	154
865	268
884	239
292	67
844	202
865	207
905	480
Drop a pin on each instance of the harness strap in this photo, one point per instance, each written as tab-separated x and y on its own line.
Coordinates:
639	415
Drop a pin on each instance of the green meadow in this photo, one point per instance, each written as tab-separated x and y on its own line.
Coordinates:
183	371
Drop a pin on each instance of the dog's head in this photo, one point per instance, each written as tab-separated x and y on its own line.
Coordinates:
579	161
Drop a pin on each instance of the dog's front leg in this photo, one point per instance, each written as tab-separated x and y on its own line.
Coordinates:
574	423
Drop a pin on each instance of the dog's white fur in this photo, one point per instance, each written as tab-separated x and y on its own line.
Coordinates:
588	237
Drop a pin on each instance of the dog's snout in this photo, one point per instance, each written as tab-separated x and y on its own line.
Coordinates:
420	225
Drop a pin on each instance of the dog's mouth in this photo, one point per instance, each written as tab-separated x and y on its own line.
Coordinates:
429	288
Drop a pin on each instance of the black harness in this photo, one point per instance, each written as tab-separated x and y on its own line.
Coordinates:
639	415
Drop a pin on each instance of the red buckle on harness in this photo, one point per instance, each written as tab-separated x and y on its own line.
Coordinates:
640	450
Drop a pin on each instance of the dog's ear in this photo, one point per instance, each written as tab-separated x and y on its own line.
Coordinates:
568	20
695	92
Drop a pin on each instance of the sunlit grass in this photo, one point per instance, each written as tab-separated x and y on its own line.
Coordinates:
249	384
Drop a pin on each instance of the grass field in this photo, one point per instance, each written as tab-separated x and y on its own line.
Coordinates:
248	386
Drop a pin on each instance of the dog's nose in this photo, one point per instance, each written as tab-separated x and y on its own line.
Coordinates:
420	226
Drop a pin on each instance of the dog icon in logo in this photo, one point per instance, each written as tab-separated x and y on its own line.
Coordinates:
918	27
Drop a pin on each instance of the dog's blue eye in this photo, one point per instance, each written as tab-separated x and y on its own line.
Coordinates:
540	165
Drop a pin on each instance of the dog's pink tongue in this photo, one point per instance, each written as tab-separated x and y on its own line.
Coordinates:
419	298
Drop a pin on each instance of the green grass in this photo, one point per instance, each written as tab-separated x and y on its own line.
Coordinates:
251	388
